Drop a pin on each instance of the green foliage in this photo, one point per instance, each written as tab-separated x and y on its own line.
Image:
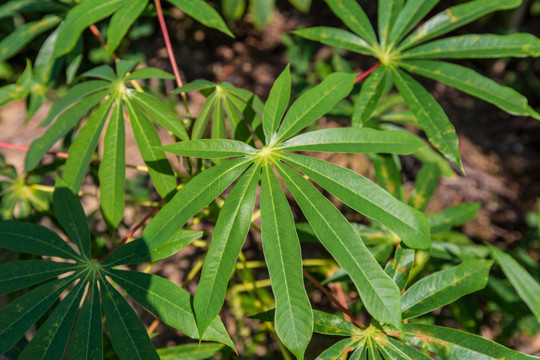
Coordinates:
261	10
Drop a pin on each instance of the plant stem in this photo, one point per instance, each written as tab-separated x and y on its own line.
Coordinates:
170	52
366	73
333	299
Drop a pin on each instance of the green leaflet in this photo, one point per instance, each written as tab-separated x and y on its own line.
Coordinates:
51	339
34	239
339	350
388	12
455	17
277	103
370	96
233	9
472	83
13	7
474	46
201	124
112	170
398	350
353	140
128	335
74	94
400	266
378	292
203	13
262	11
121	21
79	18
16	275
218	122
525	285
366	197
199	84
425	185
104	72
16	40
177	242
453	216
314	103
328	324
125	66
60	128
336	37
302	5
149	73
388	174
413	11
83	147
444	287
158	113
148	140
169	302
190	352
454	344
190	199
19	315
352	15
71	216
430	115
227	240
282	253
86	339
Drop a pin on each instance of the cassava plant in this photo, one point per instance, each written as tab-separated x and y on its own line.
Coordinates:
241	159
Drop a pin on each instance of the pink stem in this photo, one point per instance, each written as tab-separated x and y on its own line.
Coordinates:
366	73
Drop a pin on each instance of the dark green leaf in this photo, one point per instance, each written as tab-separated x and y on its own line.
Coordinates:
430	116
413	11
388	174
189	352
387	13
398	350
444	287
453	216
176	243
293	317
229	235
339	350
352	15
370	96
123	67
128	335
210	148
328	324
34	239
302	5
149	73
195	85
121	21
203	13
337	38
104	72
277	103
400	266
201	124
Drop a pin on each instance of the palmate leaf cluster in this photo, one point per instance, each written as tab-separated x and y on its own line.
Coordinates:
261	152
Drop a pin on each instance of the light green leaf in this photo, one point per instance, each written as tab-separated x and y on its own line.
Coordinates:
168	302
17	275
112	170
79	18
83	147
128	335
277	103
425	185
262	11
199	84
17	39
71	216
190	352
314	103
201	124
210	148
218	120
337	38
149	73
353	140
148	140
473	46
400	266
159	113
281	247
455	17
388	174
189	200
472	83
19	315
238	118
201	11
395	349
121	21
87	340
302	5
453	216
51	338
328	324
233	9
413	11
177	242
370	96
123	67
430	116
525	285
104	72
444	287
229	235
61	126
388	12
352	15
34	239
367	198
339	350
74	94
454	344
378	292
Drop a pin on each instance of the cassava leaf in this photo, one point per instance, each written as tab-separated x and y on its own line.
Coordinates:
149	73
388	12
424	185
453	216
339	350
177	242
277	103
121	21
201	11
370	96
400	266
336	37
210	148
262	11
413	11
352	15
